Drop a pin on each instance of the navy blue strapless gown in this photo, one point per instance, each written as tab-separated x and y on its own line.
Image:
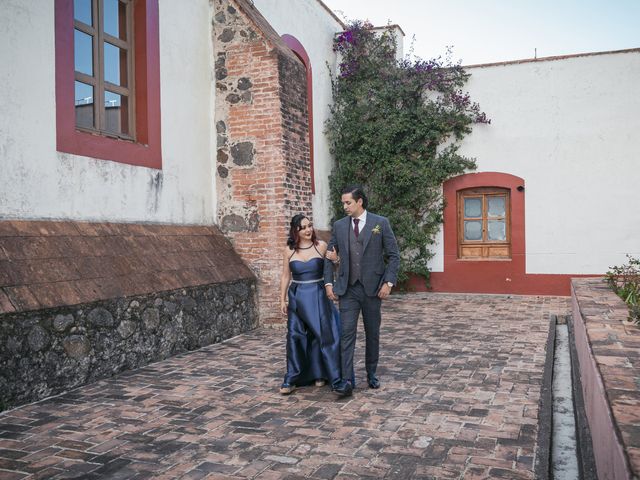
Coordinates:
313	327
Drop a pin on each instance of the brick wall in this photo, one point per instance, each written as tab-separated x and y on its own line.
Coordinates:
263	165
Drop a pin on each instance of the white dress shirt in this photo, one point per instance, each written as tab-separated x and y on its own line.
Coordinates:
363	220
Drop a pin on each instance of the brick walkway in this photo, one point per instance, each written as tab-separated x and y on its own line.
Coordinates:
461	381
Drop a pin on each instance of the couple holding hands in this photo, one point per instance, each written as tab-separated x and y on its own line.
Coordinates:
321	340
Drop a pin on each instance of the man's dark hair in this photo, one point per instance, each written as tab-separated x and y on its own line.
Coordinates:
357	192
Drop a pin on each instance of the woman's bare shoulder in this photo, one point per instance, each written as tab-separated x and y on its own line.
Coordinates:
322	246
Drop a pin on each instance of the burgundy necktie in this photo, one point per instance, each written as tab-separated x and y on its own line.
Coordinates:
356	232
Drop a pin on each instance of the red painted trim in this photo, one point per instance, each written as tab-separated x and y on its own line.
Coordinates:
294	44
490	281
146	152
490	276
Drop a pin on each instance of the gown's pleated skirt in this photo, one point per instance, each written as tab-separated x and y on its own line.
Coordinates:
313	328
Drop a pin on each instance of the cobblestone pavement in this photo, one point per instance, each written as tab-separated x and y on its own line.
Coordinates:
461	378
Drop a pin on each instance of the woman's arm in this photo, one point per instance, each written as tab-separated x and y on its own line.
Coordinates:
285	278
322	247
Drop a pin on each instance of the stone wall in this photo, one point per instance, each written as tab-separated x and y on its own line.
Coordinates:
83	301
53	350
608	352
263	165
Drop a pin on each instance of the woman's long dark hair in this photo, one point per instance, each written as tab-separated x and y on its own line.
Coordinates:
294	232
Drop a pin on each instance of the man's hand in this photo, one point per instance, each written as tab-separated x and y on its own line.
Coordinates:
384	292
332	255
332	296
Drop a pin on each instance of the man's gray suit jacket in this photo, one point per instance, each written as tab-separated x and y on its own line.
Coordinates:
379	243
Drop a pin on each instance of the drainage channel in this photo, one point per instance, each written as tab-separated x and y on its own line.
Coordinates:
570	455
564	451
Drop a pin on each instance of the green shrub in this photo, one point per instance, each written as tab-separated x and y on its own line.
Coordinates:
394	128
625	282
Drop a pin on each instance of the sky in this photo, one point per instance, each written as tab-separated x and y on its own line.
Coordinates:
486	31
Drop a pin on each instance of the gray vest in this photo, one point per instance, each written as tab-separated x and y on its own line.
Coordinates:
355	255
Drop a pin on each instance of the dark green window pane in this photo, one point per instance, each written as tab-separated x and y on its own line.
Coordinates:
84	105
82	11
83	52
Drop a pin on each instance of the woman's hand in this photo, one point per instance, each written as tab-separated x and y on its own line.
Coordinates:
283	307
332	296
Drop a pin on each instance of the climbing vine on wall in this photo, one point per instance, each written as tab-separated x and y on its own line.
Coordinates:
394	128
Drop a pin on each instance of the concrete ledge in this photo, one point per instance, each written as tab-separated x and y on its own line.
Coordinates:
609	358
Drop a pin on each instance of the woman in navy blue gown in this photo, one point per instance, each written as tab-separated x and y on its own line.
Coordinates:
313	324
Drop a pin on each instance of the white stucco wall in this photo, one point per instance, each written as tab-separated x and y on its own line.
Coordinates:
315	28
569	128
38	182
398	38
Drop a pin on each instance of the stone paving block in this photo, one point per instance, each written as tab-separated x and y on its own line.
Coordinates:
461	378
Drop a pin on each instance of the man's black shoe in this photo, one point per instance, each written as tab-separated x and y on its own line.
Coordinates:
344	389
373	381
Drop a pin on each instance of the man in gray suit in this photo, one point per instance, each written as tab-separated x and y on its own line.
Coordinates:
363	240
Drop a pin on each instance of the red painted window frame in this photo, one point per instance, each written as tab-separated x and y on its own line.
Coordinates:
504	181
294	44
146	150
490	275
501	276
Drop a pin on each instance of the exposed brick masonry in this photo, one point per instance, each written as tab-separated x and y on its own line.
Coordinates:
263	166
293	94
